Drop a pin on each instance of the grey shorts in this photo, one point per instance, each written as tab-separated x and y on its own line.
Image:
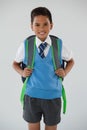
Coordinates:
35	108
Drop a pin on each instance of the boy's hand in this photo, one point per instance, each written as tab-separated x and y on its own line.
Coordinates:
60	72
27	72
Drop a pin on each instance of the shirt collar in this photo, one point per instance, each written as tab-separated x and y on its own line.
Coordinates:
38	41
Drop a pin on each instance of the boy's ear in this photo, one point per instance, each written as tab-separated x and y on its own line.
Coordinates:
51	26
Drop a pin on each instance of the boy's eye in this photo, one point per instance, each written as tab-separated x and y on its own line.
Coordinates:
45	24
37	24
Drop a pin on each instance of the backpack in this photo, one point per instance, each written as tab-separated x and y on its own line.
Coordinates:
30	48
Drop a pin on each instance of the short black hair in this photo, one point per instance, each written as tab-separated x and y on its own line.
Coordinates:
41	11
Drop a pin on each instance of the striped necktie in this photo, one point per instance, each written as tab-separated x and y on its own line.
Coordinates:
42	48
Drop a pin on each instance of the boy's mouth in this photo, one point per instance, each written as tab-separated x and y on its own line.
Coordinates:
42	33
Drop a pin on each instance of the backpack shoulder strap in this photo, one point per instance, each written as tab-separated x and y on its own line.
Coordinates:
29	58
56	51
30	51
58	62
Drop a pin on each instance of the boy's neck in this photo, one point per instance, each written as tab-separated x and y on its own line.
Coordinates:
42	40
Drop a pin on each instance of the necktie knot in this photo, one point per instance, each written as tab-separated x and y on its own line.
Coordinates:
42	48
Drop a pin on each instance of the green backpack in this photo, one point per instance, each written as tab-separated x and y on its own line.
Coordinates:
30	49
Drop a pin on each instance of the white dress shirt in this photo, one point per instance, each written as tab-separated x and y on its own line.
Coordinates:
66	53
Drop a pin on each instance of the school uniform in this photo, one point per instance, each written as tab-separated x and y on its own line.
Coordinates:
44	89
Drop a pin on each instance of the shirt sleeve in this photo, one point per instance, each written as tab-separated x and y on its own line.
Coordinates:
20	53
66	53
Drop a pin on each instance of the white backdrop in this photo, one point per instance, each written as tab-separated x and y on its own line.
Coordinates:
70	24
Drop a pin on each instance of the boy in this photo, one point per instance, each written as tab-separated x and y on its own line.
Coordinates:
43	89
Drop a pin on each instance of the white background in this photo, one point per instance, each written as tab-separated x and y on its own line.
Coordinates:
70	24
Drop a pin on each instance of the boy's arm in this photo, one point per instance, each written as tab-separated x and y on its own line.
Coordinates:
24	73
69	66
63	72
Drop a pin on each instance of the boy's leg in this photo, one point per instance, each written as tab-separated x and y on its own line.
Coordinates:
32	112
34	126
51	113
51	127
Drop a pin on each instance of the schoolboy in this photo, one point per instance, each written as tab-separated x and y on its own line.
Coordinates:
43	91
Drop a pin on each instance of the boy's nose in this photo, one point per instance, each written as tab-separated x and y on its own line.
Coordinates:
42	26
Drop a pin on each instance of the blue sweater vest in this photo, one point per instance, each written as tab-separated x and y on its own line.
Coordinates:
44	83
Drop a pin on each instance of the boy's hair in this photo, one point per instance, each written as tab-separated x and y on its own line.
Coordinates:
41	11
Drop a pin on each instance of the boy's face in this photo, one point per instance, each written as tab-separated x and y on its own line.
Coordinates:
41	26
